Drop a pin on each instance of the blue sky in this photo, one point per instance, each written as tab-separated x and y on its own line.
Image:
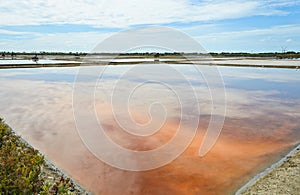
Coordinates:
218	25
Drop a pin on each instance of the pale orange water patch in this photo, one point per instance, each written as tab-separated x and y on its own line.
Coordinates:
221	171
140	143
237	155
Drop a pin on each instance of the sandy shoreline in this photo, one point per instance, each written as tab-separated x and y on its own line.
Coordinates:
282	177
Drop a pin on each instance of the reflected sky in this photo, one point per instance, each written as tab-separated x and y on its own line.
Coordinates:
285	81
263	108
42	61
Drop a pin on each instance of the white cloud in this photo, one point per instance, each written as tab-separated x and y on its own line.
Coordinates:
266	39
275	30
153	37
66	42
258	40
116	13
9	32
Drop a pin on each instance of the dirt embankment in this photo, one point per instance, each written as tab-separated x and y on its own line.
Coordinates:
284	179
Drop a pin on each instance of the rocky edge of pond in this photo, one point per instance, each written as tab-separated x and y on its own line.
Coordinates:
282	177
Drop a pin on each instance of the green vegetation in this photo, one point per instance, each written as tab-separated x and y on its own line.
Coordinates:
21	166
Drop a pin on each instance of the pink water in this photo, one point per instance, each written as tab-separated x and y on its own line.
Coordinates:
262	124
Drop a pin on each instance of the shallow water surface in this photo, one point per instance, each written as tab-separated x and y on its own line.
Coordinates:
42	61
261	122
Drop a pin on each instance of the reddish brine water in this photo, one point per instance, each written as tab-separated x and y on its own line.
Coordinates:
261	124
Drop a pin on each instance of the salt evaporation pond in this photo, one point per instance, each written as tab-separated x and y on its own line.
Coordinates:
262	124
42	61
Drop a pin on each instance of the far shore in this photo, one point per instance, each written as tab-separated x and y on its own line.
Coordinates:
91	60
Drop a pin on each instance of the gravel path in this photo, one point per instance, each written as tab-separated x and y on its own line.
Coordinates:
284	179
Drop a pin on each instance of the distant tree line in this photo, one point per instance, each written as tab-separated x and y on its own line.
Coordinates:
278	55
8	53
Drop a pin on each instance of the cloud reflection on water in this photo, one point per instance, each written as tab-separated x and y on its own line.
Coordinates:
262	119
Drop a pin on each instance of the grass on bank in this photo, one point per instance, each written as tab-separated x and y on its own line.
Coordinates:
21	167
